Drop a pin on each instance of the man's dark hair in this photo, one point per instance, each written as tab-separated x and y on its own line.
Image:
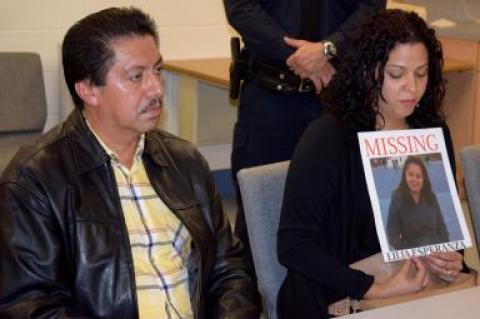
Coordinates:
87	52
355	90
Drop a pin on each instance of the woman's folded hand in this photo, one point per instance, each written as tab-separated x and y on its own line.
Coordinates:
402	282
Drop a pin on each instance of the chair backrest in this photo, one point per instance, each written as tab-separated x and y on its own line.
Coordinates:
262	189
470	156
23	106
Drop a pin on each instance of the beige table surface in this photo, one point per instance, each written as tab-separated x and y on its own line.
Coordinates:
461	304
215	70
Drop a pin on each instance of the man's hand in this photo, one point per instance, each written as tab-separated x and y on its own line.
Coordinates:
400	283
310	62
446	265
322	79
308	58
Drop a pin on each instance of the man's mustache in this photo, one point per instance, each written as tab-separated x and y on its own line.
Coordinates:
156	101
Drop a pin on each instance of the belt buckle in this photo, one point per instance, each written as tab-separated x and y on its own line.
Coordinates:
305	86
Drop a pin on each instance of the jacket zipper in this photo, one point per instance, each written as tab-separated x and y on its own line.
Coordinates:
196	299
126	239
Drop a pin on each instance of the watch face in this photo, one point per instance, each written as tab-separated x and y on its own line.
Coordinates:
330	49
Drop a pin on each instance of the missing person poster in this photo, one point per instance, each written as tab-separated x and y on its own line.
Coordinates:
413	194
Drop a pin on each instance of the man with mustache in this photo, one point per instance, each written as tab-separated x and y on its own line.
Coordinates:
107	217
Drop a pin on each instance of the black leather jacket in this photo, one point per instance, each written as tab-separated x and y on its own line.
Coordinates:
64	248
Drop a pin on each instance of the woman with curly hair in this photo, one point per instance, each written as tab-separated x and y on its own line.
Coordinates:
391	79
414	217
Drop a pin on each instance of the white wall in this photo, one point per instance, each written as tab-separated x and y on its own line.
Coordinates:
188	29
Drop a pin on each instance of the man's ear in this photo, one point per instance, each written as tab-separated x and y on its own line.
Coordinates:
87	92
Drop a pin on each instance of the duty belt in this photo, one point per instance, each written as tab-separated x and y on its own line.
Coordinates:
277	79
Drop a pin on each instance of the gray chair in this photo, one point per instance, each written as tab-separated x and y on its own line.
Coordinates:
262	189
23	107
470	156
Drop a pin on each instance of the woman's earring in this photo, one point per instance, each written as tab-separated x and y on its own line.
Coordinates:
417	106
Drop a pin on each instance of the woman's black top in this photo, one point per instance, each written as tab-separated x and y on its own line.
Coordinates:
326	222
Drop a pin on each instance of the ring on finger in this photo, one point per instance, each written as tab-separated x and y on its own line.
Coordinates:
449	275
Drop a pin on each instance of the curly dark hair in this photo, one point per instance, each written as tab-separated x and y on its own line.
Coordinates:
354	92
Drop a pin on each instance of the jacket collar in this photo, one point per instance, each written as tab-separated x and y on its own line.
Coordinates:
170	183
89	154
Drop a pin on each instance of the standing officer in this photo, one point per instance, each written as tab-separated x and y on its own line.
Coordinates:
289	47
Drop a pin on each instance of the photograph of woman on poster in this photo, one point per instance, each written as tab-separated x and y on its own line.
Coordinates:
415	218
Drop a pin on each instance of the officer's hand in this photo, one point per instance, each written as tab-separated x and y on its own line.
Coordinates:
326	73
323	78
308	59
317	82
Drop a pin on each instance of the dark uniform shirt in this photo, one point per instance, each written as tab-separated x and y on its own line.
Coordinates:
264	23
269	122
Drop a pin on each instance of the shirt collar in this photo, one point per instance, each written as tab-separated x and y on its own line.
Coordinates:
109	151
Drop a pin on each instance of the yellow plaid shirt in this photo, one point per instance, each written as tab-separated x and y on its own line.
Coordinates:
160	243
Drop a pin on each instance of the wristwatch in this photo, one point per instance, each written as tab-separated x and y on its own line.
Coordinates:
329	49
